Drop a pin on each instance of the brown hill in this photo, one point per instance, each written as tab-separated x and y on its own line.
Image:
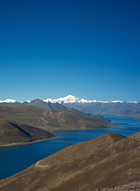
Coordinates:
102	162
13	133
51	119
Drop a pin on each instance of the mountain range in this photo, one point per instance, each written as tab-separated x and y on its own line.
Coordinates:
120	108
105	163
73	99
69	99
35	102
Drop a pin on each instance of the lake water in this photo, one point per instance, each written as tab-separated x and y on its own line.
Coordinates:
15	159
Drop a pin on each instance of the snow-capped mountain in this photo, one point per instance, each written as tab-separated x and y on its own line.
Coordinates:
94	107
73	99
8	101
68	99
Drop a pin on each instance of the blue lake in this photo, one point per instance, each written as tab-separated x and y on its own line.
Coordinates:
15	159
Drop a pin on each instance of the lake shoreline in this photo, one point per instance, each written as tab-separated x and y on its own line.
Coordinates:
47	139
17	158
28	143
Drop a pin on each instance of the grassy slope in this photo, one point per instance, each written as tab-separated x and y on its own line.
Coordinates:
102	162
14	133
50	120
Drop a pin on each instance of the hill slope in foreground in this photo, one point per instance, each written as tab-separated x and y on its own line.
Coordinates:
13	133
52	120
108	160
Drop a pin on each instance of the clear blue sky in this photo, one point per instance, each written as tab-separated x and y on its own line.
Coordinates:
52	48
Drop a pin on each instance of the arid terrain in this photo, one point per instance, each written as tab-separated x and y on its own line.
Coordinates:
15	133
107	162
51	120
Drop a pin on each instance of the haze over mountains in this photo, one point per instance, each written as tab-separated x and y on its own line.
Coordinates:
107	161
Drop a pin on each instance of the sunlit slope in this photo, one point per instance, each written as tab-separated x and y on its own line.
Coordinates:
51	119
102	162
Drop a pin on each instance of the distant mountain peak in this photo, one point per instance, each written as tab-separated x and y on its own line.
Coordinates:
68	99
8	101
34	100
73	99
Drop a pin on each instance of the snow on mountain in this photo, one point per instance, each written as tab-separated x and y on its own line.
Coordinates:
116	101
28	101
70	99
73	99
132	102
8	101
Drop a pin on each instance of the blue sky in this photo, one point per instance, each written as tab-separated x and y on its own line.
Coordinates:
87	48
